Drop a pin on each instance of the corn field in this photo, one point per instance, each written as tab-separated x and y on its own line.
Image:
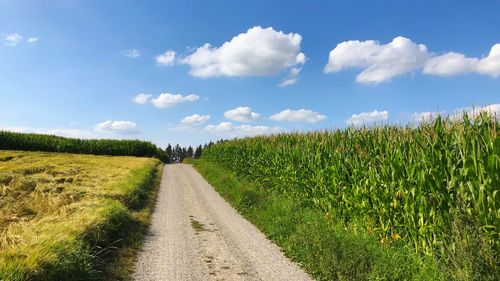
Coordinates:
50	143
396	182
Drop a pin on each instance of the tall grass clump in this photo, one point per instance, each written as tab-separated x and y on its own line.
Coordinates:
434	187
51	143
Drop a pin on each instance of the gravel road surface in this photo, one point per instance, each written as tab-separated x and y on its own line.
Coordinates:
196	235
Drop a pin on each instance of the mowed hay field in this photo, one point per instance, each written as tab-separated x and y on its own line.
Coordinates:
59	213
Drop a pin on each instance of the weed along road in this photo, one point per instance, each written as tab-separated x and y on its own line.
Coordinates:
196	235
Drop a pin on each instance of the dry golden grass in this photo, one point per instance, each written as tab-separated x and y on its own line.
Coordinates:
54	206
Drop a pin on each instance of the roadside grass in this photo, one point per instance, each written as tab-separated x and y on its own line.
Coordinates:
64	216
329	250
189	160
121	263
431	188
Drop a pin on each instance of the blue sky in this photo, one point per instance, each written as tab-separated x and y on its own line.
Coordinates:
76	68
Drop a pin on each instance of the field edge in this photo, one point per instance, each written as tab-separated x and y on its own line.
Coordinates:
121	264
307	236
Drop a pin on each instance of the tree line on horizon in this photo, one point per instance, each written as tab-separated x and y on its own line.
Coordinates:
177	153
52	143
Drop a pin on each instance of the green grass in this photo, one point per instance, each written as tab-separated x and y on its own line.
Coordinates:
120	263
188	160
361	202
325	250
63	216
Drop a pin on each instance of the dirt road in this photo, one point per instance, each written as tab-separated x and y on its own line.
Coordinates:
196	235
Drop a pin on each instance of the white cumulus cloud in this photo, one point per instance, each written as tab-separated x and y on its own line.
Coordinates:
190	123
242	114
287	82
457	114
164	99
13	39
301	115
257	52
426	116
167	58
452	63
449	64
292	77
490	65
227	129
195	119
132	53
142	98
168	100
379	62
472	112
294	71
122	127
368	117
33	39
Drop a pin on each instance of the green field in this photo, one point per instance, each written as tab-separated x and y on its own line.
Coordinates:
397	202
51	143
63	214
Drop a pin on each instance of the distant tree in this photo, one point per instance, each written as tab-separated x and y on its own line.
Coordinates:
184	153
197	152
169	153
189	152
178	154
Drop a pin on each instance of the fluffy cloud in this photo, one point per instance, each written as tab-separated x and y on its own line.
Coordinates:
426	116
13	39
195	119
189	123
122	127
300	58
490	65
381	62
227	129
473	112
132	53
164	99
453	63
33	39
242	114
142	98
292	78
449	64
257	52
294	71
167	58
287	82
458	113
368	117
168	100
301	115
